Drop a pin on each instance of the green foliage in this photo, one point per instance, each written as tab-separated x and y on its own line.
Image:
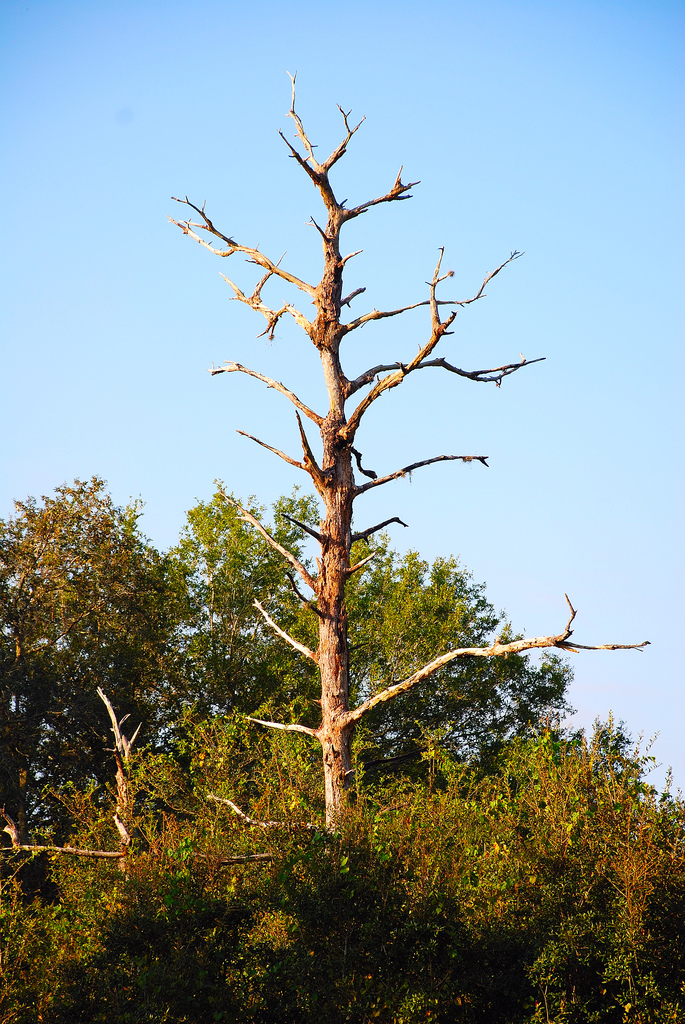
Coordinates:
84	602
511	876
232	660
550	890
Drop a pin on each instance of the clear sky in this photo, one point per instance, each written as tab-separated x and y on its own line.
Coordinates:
554	128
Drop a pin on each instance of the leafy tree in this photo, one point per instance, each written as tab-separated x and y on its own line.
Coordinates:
85	601
231	660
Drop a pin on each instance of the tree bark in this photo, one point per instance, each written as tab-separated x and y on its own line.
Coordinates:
333	652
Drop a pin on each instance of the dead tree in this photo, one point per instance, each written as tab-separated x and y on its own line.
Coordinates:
333	475
121	817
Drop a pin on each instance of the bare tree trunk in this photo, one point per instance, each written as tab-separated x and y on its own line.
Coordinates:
335	736
22	789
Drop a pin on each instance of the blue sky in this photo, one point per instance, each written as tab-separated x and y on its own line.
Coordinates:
554	128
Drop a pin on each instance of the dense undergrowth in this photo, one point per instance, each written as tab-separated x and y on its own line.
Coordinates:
550	889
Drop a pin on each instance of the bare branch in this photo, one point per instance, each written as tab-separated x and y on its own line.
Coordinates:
299	318
231	367
272	316
254	254
366	472
249	518
418	465
70	850
353	295
293	727
433	302
396	193
301	133
480	294
494	375
73	851
316	171
496	649
310	463
340	150
373	529
255	302
285	636
319	229
302	161
392	380
123	745
438	331
307	604
276	451
249	858
360	565
303	526
370	375
377	314
261	824
433	284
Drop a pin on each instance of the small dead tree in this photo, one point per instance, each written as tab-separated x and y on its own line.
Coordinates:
122	816
333	475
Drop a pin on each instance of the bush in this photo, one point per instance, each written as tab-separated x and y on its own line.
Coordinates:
551	890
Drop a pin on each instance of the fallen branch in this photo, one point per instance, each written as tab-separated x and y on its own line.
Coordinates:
247	820
73	851
293	727
250	858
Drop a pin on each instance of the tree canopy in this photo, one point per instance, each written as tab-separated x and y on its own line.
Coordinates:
85	602
88	602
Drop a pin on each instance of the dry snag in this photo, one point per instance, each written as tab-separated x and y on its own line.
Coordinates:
121	817
334	475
